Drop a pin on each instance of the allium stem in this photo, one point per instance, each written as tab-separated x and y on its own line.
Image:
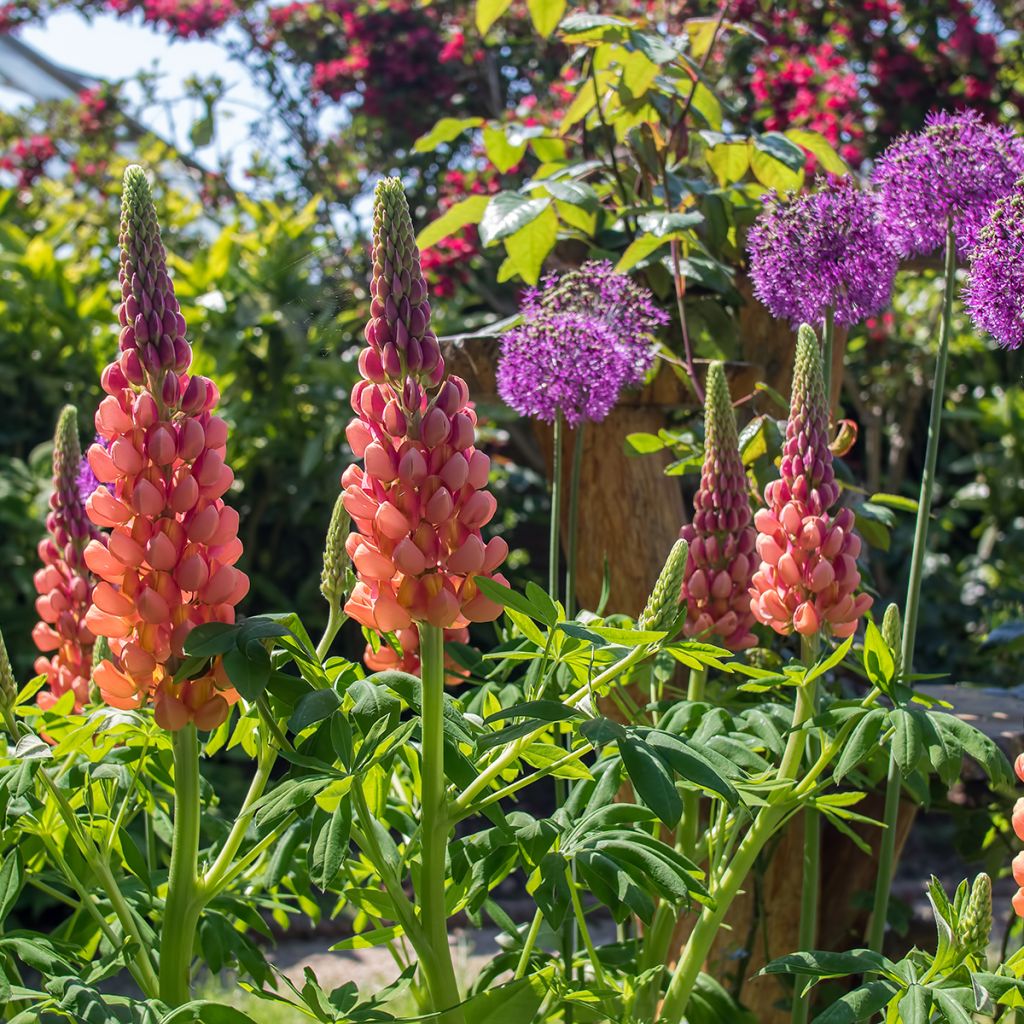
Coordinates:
572	549
184	903
827	346
554	542
808	930
894	781
435	825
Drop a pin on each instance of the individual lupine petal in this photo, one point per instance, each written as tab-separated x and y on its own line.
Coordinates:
717	573
808	576
419	503
170	563
66	583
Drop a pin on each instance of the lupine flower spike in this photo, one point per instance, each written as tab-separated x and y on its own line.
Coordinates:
976	920
585	335
170	562
662	608
808	576
822	251
955	168
716	584
8	685
995	289
1017	820
420	500
65	584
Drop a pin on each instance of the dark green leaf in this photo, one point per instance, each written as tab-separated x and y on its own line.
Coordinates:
651	779
313	707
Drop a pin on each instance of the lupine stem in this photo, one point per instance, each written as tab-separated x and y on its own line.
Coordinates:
808	930
335	620
528	945
554	537
184	901
574	514
893	784
435	824
691	798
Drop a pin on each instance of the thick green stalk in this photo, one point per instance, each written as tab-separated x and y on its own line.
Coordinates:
554	541
827	346
691	798
811	881
184	901
435	825
528	945
336	619
572	549
767	822
887	842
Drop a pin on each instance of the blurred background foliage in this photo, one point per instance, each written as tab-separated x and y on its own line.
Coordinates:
531	135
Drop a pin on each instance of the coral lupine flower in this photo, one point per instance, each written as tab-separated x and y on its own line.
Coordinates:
820	251
585	336
808	573
956	167
995	289
1017	821
720	562
420	502
64	583
385	657
170	561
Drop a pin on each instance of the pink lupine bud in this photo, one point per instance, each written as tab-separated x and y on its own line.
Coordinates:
808	575
169	562
720	559
66	583
419	503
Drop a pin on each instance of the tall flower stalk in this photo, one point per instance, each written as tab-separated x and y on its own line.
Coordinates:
417	506
936	188
169	564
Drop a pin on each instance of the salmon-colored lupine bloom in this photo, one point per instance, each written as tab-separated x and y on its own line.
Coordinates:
1017	820
808	574
64	583
720	561
169	564
386	658
420	501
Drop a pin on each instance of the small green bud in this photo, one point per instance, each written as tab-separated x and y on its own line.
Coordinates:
662	606
8	686
892	634
336	562
976	920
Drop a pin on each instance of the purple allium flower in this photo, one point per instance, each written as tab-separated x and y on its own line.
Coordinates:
585	336
87	482
994	295
956	166
821	250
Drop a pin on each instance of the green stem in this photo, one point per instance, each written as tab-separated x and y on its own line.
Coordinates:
184	901
811	881
336	618
691	798
827	345
528	945
581	924
574	515
435	825
554	545
887	842
766	824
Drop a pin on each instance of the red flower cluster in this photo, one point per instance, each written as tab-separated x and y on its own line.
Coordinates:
187	19
26	159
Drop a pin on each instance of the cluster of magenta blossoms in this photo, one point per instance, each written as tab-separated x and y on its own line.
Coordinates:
169	564
994	295
65	584
586	334
720	558
808	577
953	170
821	252
1017	821
420	500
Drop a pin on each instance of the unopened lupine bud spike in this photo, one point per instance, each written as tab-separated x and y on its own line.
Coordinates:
892	634
170	562
808	577
663	605
65	584
721	560
336	560
419	501
8	684
976	921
